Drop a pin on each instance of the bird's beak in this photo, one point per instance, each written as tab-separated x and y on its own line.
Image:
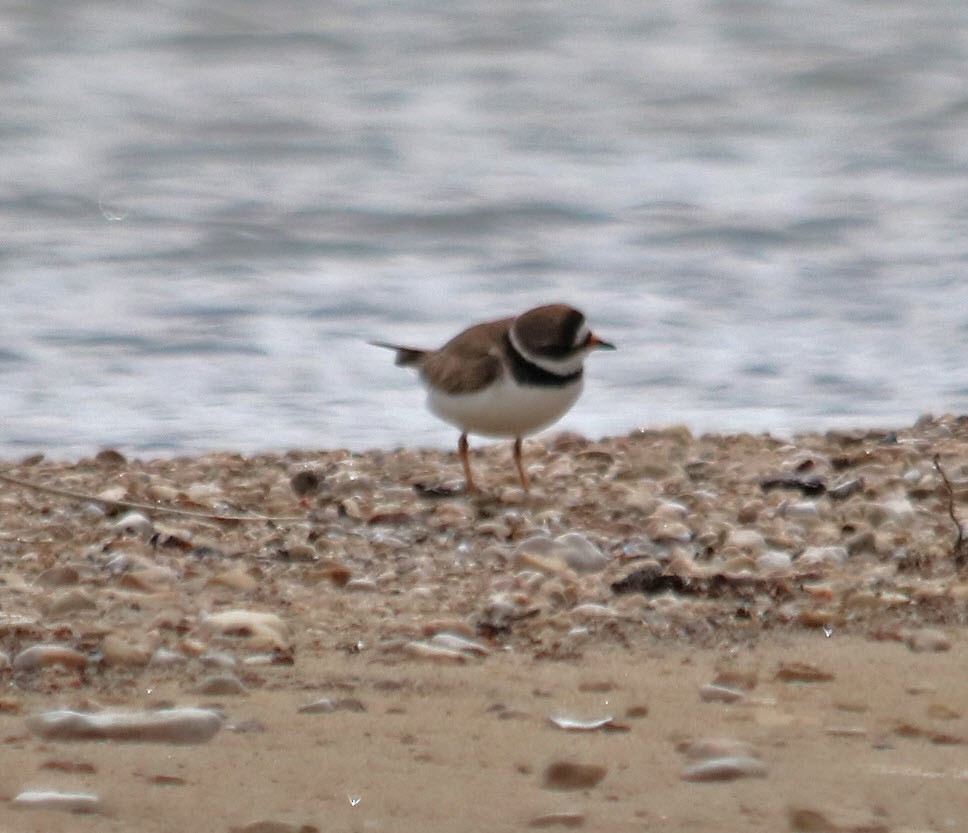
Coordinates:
597	343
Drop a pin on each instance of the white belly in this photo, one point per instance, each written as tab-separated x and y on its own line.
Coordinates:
505	409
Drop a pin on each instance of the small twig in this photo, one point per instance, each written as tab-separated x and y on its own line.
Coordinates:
147	507
960	549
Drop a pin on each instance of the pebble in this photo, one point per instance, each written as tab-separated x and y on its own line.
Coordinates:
649	577
75	600
846	731
54	800
529	581
804	510
63	575
455	514
535	545
235	580
427	650
750	511
390	515
774	562
263	629
110	458
745	677
142	581
165	658
306	482
925	640
326	705
134	523
863	600
713	693
747	540
670	511
844	490
592	612
727	768
738	563
576	724
388	579
579	553
499	611
900	512
547	565
299	551
568	775
148	577
889	599
271	826
66	765
337	573
818	556
322	706
667	531
423	592
810	820
181	725
205	494
162	493
941	711
44	656
802	672
820	618
497	530
459	643
220	685
115	651
218	659
268	658
564	819
112	494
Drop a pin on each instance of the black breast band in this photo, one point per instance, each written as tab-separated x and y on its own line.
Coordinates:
528	373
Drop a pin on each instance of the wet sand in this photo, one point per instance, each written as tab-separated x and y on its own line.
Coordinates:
781	617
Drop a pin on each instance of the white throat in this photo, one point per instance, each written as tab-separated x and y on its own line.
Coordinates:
559	367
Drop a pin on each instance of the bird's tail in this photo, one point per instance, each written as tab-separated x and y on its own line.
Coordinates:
406	356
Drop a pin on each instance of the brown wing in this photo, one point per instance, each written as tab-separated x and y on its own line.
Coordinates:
468	361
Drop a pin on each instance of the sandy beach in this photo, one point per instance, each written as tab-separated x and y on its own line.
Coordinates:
671	633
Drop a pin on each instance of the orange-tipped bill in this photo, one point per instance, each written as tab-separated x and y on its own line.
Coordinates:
596	342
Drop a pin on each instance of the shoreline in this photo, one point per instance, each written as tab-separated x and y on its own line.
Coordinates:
794	604
446	438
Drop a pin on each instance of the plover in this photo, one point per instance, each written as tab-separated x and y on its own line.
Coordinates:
506	378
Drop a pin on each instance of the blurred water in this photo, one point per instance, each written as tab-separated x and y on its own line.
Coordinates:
205	213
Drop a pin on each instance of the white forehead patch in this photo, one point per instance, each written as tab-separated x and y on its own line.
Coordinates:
581	336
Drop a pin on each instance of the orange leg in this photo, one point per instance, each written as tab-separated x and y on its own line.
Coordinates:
517	462
466	463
